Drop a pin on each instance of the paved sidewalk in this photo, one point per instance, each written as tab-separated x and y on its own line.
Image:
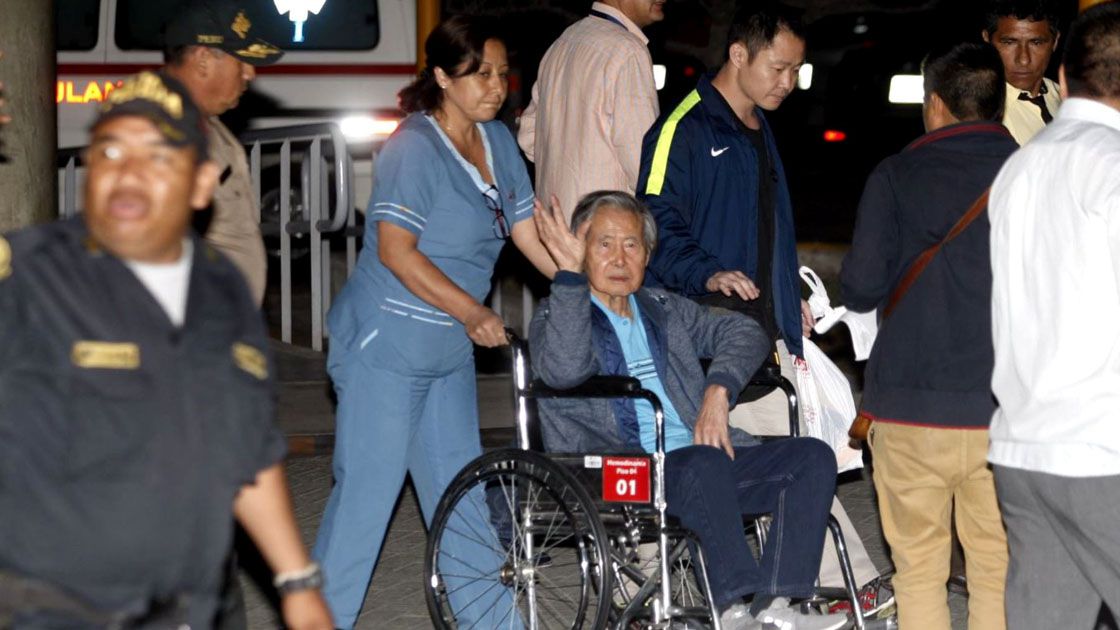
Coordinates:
396	595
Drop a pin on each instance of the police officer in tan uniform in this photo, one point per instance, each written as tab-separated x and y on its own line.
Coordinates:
210	49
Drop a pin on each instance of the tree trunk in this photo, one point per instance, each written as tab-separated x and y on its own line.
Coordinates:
28	171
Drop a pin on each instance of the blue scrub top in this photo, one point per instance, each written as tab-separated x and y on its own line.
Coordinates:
423	185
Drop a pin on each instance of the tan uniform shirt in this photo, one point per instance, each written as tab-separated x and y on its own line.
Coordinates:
235	228
593	101
1023	118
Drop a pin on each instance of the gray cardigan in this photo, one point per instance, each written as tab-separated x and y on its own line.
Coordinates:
567	349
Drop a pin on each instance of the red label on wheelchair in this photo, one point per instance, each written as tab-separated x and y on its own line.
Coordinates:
626	479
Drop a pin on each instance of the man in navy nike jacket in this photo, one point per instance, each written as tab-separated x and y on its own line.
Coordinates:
712	177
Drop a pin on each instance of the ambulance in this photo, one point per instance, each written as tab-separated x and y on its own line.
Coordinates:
345	61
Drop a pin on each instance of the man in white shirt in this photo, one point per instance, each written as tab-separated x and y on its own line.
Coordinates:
593	101
1055	216
1025	34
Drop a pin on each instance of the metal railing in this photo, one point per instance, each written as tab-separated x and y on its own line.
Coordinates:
69	164
313	143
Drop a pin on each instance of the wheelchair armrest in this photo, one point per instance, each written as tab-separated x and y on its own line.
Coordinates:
594	387
769	375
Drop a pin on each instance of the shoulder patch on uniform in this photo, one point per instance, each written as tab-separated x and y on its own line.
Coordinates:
113	355
5	258
250	360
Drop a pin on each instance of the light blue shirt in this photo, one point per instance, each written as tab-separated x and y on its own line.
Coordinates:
639	363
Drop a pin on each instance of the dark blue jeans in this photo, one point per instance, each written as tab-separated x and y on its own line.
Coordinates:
793	480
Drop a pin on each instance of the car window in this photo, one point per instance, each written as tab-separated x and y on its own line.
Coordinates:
339	25
76	24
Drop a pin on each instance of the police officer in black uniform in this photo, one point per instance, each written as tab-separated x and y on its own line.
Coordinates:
136	396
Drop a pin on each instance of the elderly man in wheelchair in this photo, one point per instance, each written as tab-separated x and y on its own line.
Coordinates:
600	321
639	454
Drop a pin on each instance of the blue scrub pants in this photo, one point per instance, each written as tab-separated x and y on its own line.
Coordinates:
389	424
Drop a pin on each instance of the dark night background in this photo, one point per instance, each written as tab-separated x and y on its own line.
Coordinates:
855	47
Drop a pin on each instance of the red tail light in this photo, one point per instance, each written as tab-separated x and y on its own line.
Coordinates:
832	135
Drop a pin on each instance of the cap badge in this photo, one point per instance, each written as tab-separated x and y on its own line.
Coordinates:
258	51
146	86
241	25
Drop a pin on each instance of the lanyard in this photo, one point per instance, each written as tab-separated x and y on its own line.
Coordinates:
605	16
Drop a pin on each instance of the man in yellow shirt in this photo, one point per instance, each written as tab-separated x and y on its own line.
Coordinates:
1025	33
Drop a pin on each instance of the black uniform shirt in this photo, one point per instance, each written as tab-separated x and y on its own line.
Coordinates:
123	439
762	307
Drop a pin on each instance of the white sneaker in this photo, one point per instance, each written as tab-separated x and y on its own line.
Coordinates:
779	616
791	619
737	617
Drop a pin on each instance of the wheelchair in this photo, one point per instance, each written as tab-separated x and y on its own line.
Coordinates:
524	539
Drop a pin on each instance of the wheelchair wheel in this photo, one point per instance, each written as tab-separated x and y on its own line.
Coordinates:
516	542
684	585
636	584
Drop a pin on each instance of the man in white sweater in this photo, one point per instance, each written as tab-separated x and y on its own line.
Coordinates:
1055	440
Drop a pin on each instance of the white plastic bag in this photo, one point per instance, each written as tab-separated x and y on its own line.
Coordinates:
827	404
862	326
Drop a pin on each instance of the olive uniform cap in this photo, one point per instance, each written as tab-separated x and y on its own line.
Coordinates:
220	24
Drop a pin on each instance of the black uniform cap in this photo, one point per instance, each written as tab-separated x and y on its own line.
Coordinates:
165	102
223	25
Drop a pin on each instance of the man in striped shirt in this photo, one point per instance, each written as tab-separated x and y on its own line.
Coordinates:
593	101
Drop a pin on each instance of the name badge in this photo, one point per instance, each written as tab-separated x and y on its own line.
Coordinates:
5	259
251	360
105	355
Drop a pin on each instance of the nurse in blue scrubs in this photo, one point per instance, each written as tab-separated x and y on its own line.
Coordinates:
450	189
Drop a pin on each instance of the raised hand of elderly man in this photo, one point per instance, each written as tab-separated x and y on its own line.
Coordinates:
711	420
566	249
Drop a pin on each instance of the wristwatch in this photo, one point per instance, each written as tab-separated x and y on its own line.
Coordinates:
309	577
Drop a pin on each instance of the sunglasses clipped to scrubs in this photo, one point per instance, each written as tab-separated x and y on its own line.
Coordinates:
493	200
